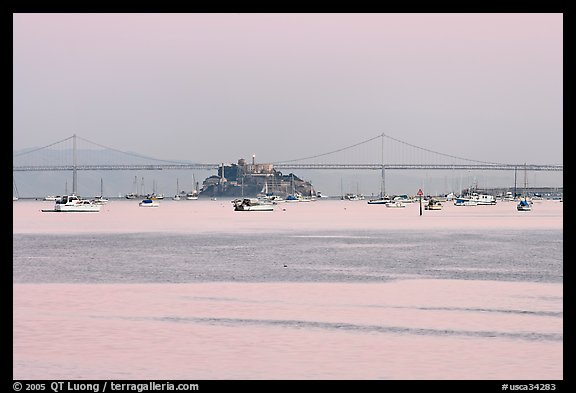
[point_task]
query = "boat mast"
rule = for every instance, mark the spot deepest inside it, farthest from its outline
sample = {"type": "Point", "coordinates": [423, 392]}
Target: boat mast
{"type": "Point", "coordinates": [514, 182]}
{"type": "Point", "coordinates": [525, 182]}
{"type": "Point", "coordinates": [15, 187]}
{"type": "Point", "coordinates": [194, 186]}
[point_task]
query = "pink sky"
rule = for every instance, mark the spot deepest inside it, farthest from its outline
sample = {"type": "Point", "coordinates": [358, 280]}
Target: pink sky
{"type": "Point", "coordinates": [333, 78]}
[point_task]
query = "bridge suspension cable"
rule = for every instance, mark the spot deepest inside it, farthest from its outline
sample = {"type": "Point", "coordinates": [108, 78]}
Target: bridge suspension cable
{"type": "Point", "coordinates": [43, 147]}
{"type": "Point", "coordinates": [130, 154]}
{"type": "Point", "coordinates": [391, 138]}
{"type": "Point", "coordinates": [330, 152]}
{"type": "Point", "coordinates": [442, 154]}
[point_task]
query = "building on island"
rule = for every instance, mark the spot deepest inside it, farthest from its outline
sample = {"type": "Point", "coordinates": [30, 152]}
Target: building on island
{"type": "Point", "coordinates": [250, 179]}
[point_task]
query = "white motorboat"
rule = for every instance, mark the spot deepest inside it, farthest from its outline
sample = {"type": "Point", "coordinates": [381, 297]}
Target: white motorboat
{"type": "Point", "coordinates": [353, 197]}
{"type": "Point", "coordinates": [463, 201]}
{"type": "Point", "coordinates": [483, 199]}
{"type": "Point", "coordinates": [100, 200]}
{"type": "Point", "coordinates": [403, 198]}
{"type": "Point", "coordinates": [274, 199]}
{"type": "Point", "coordinates": [509, 196]}
{"type": "Point", "coordinates": [192, 196]}
{"type": "Point", "coordinates": [251, 204]}
{"type": "Point", "coordinates": [396, 203]}
{"type": "Point", "coordinates": [379, 201]}
{"type": "Point", "coordinates": [297, 197]}
{"type": "Point", "coordinates": [73, 203]}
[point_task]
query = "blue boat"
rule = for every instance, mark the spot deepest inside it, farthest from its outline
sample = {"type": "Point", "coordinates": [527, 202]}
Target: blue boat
{"type": "Point", "coordinates": [523, 206]}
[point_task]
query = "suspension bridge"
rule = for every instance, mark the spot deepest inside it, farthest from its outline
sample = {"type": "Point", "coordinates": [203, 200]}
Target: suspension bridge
{"type": "Point", "coordinates": [67, 158]}
{"type": "Point", "coordinates": [379, 153]}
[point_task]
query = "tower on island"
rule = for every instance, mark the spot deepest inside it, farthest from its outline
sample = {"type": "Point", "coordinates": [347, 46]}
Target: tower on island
{"type": "Point", "coordinates": [252, 179]}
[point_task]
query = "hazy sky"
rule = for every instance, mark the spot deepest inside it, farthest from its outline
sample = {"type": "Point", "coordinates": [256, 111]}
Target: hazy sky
{"type": "Point", "coordinates": [214, 87]}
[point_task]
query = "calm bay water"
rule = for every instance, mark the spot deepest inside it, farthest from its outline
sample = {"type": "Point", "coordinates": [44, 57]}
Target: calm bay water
{"type": "Point", "coordinates": [321, 290]}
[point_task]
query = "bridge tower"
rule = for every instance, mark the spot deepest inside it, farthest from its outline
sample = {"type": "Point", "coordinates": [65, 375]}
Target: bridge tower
{"type": "Point", "coordinates": [74, 165]}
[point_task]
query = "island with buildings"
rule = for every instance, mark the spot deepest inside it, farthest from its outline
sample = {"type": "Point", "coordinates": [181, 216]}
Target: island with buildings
{"type": "Point", "coordinates": [250, 180]}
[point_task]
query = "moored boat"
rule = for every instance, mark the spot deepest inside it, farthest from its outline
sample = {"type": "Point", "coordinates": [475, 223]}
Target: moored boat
{"type": "Point", "coordinates": [292, 198]}
{"type": "Point", "coordinates": [523, 206]}
{"type": "Point", "coordinates": [433, 204]}
{"type": "Point", "coordinates": [100, 200]}
{"type": "Point", "coordinates": [464, 201]}
{"type": "Point", "coordinates": [379, 201]}
{"type": "Point", "coordinates": [251, 204]}
{"type": "Point", "coordinates": [353, 197]}
{"type": "Point", "coordinates": [73, 203]}
{"type": "Point", "coordinates": [483, 199]}
{"type": "Point", "coordinates": [192, 196]}
{"type": "Point", "coordinates": [274, 199]}
{"type": "Point", "coordinates": [403, 198]}
{"type": "Point", "coordinates": [148, 203]}
{"type": "Point", "coordinates": [297, 197]}
{"type": "Point", "coordinates": [508, 197]}
{"type": "Point", "coordinates": [176, 196]}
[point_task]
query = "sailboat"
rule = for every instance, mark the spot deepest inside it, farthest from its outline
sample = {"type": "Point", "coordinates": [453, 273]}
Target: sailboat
{"type": "Point", "coordinates": [524, 205]}
{"type": "Point", "coordinates": [15, 194]}
{"type": "Point", "coordinates": [100, 200]}
{"type": "Point", "coordinates": [154, 194]}
{"type": "Point", "coordinates": [383, 199]}
{"type": "Point", "coordinates": [193, 195]}
{"type": "Point", "coordinates": [177, 196]}
{"type": "Point", "coordinates": [134, 193]}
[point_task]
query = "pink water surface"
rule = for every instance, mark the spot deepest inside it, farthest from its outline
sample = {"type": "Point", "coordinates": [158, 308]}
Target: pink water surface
{"type": "Point", "coordinates": [286, 331]}
{"type": "Point", "coordinates": [405, 329]}
{"type": "Point", "coordinates": [218, 216]}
